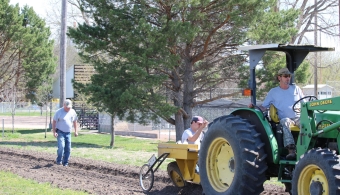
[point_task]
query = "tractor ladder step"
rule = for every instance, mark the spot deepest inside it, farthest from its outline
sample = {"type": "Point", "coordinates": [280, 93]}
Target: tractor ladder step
{"type": "Point", "coordinates": [285, 168]}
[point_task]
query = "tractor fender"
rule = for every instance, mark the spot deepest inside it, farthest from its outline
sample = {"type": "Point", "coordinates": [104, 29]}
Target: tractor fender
{"type": "Point", "coordinates": [262, 126]}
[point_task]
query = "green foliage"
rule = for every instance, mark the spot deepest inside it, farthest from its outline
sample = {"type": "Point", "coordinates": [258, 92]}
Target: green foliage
{"type": "Point", "coordinates": [302, 74]}
{"type": "Point", "coordinates": [27, 60]}
{"type": "Point", "coordinates": [37, 52]}
{"type": "Point", "coordinates": [148, 52]}
{"type": "Point", "coordinates": [125, 81]}
{"type": "Point", "coordinates": [266, 75]}
{"type": "Point", "coordinates": [273, 27]}
{"type": "Point", "coordinates": [10, 28]}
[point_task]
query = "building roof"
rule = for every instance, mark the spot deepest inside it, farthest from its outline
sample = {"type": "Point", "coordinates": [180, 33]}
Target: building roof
{"type": "Point", "coordinates": [319, 86]}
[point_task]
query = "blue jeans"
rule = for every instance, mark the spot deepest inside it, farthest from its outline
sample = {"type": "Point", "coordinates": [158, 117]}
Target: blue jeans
{"type": "Point", "coordinates": [287, 134]}
{"type": "Point", "coordinates": [64, 147]}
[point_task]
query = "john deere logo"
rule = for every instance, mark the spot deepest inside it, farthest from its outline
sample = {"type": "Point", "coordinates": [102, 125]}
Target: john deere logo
{"type": "Point", "coordinates": [319, 103]}
{"type": "Point", "coordinates": [323, 125]}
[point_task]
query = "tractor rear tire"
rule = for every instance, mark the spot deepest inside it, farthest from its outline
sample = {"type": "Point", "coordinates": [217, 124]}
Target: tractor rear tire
{"type": "Point", "coordinates": [317, 172]}
{"type": "Point", "coordinates": [232, 158]}
{"type": "Point", "coordinates": [176, 175]}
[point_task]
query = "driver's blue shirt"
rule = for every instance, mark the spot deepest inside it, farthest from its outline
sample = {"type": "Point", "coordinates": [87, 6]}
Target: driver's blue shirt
{"type": "Point", "coordinates": [283, 100]}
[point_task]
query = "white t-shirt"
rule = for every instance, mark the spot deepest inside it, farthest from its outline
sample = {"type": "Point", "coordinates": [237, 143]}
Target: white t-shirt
{"type": "Point", "coordinates": [65, 119]}
{"type": "Point", "coordinates": [283, 100]}
{"type": "Point", "coordinates": [189, 133]}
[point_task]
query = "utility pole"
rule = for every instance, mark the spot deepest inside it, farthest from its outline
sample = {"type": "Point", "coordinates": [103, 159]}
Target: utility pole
{"type": "Point", "coordinates": [315, 53]}
{"type": "Point", "coordinates": [63, 53]}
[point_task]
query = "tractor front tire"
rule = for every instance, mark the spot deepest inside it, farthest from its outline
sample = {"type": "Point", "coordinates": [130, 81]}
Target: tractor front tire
{"type": "Point", "coordinates": [232, 158]}
{"type": "Point", "coordinates": [317, 172]}
{"type": "Point", "coordinates": [175, 175]}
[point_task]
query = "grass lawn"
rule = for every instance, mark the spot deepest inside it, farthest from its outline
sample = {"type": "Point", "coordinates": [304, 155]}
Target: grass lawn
{"type": "Point", "coordinates": [9, 185]}
{"type": "Point", "coordinates": [28, 113]}
{"type": "Point", "coordinates": [127, 150]}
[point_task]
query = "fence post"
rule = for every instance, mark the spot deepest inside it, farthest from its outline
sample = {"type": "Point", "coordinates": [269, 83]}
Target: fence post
{"type": "Point", "coordinates": [3, 127]}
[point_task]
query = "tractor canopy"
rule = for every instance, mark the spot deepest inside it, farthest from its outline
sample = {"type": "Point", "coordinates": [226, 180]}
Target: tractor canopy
{"type": "Point", "coordinates": [295, 54]}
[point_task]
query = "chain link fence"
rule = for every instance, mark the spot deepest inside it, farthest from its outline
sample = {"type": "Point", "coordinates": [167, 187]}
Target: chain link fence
{"type": "Point", "coordinates": [26, 107]}
{"type": "Point", "coordinates": [232, 93]}
{"type": "Point", "coordinates": [209, 111]}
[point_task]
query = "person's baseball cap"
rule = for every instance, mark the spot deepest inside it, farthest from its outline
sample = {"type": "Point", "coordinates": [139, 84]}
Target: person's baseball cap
{"type": "Point", "coordinates": [197, 119]}
{"type": "Point", "coordinates": [68, 103]}
{"type": "Point", "coordinates": [283, 71]}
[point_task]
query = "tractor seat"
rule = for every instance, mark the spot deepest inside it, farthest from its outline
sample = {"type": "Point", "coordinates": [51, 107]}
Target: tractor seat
{"type": "Point", "coordinates": [275, 118]}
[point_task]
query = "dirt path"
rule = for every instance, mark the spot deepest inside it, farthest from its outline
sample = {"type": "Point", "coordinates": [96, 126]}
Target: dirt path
{"type": "Point", "coordinates": [25, 122]}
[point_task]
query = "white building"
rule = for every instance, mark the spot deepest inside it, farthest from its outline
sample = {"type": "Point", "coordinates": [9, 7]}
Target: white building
{"type": "Point", "coordinates": [80, 73]}
{"type": "Point", "coordinates": [324, 91]}
{"type": "Point", "coordinates": [68, 87]}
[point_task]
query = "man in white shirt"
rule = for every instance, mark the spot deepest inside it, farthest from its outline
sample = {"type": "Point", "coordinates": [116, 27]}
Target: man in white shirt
{"type": "Point", "coordinates": [64, 120]}
{"type": "Point", "coordinates": [194, 135]}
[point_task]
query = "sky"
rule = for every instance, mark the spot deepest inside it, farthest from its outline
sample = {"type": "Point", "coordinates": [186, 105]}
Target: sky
{"type": "Point", "coordinates": [39, 6]}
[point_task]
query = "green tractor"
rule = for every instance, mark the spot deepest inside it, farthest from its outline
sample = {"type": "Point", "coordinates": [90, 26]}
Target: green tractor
{"type": "Point", "coordinates": [242, 150]}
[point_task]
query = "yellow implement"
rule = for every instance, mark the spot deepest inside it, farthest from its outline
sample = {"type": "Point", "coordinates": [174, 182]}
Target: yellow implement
{"type": "Point", "coordinates": [180, 171]}
{"type": "Point", "coordinates": [186, 156]}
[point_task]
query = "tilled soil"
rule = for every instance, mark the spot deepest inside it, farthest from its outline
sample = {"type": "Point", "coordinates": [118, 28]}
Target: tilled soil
{"type": "Point", "coordinates": [94, 177]}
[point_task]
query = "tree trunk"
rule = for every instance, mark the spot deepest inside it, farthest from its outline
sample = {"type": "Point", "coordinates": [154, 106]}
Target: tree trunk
{"type": "Point", "coordinates": [46, 122]}
{"type": "Point", "coordinates": [12, 122]}
{"type": "Point", "coordinates": [179, 125]}
{"type": "Point", "coordinates": [112, 143]}
{"type": "Point", "coordinates": [178, 102]}
{"type": "Point", "coordinates": [13, 107]}
{"type": "Point", "coordinates": [188, 88]}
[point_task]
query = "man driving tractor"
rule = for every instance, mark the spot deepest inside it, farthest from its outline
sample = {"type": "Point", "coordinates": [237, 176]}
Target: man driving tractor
{"type": "Point", "coordinates": [283, 98]}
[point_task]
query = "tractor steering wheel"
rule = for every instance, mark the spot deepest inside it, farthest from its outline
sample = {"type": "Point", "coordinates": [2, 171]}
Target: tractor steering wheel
{"type": "Point", "coordinates": [310, 98]}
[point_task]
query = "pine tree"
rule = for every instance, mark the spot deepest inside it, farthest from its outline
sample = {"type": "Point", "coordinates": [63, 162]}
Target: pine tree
{"type": "Point", "coordinates": [154, 57]}
{"type": "Point", "coordinates": [26, 58]}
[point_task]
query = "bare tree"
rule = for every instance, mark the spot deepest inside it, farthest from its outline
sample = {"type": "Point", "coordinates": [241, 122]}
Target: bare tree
{"type": "Point", "coordinates": [44, 97]}
{"type": "Point", "coordinates": [12, 95]}
{"type": "Point", "coordinates": [316, 17]}
{"type": "Point", "coordinates": [75, 16]}
{"type": "Point", "coordinates": [326, 12]}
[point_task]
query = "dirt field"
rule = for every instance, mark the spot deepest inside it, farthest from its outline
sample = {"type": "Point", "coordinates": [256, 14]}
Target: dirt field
{"type": "Point", "coordinates": [94, 177]}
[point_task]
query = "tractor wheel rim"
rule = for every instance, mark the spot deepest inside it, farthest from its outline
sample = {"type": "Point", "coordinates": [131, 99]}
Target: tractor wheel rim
{"type": "Point", "coordinates": [220, 164]}
{"type": "Point", "coordinates": [313, 180]}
